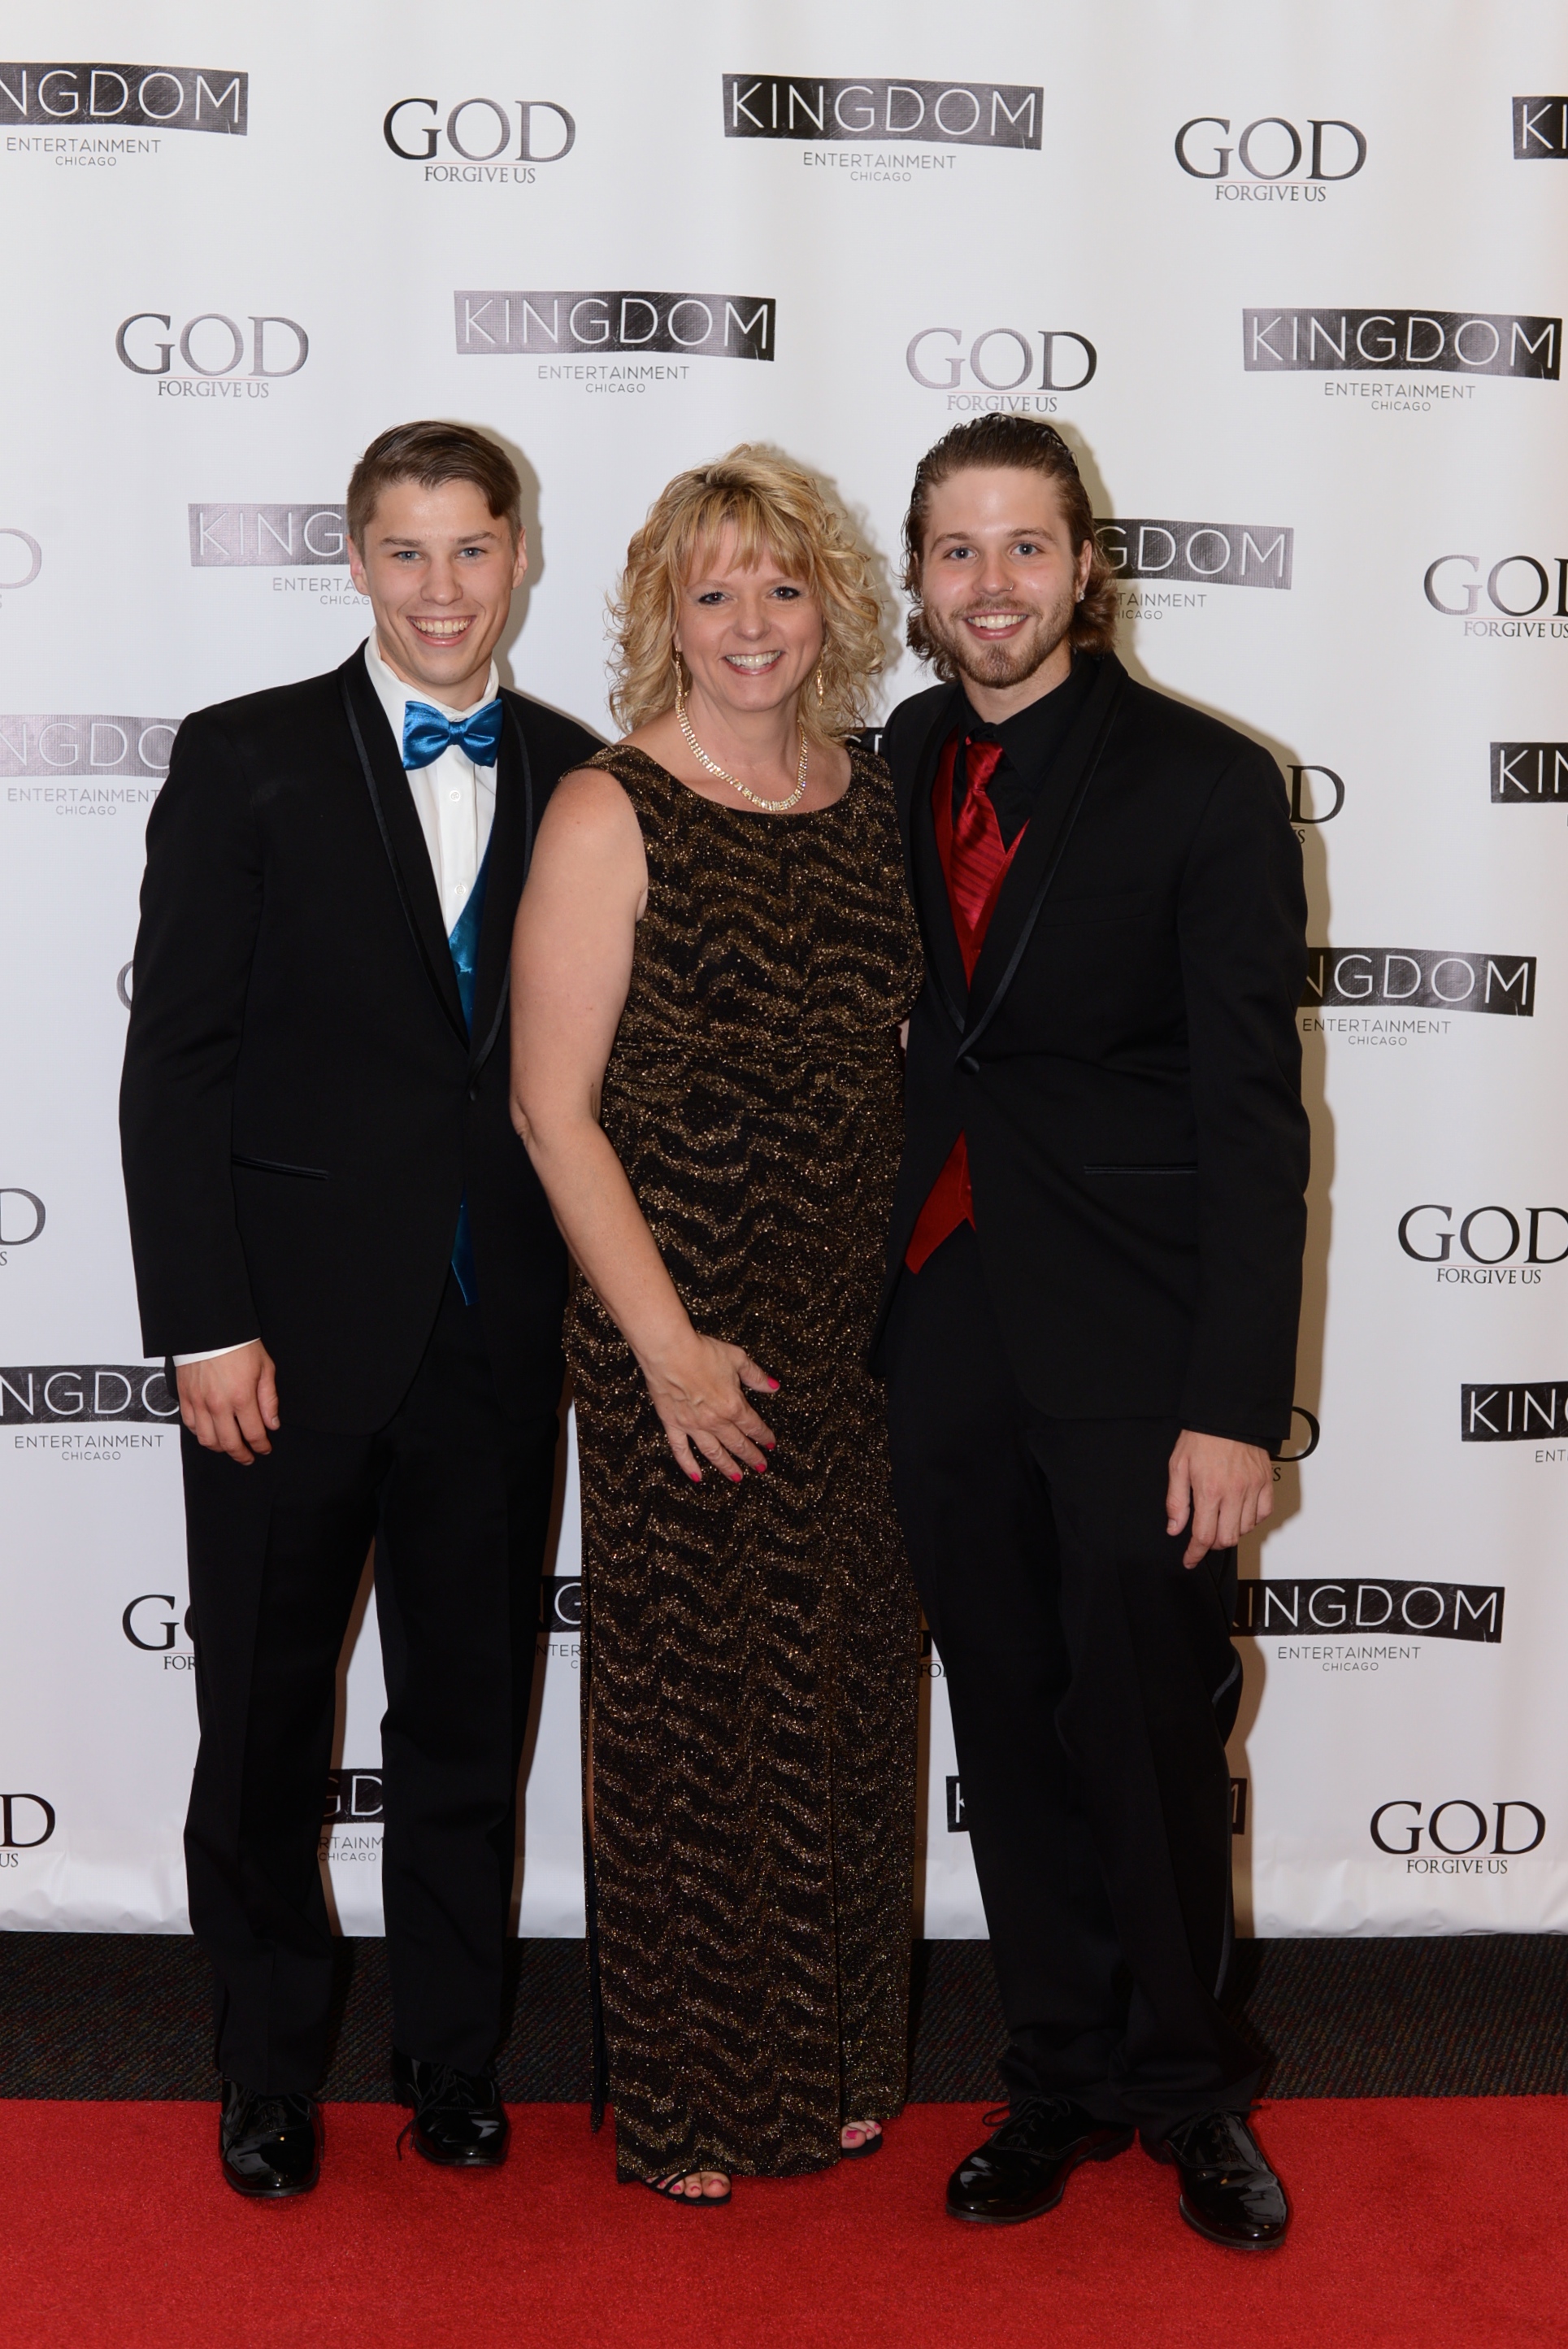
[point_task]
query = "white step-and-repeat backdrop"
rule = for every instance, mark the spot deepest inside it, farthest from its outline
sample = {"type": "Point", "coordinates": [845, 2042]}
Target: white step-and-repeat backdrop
{"type": "Point", "coordinates": [1292, 280]}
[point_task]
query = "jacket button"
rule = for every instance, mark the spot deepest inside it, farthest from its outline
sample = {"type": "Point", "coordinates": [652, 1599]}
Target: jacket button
{"type": "Point", "coordinates": [970, 1065]}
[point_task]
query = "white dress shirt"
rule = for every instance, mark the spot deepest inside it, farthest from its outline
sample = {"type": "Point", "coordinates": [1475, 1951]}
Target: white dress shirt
{"type": "Point", "coordinates": [456, 804]}
{"type": "Point", "coordinates": [456, 800]}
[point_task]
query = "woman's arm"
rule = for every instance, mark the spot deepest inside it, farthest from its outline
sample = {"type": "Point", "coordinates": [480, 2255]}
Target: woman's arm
{"type": "Point", "coordinates": [570, 969]}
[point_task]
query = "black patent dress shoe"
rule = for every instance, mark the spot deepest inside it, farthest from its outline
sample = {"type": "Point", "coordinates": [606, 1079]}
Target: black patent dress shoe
{"type": "Point", "coordinates": [1228, 2193]}
{"type": "Point", "coordinates": [458, 2118]}
{"type": "Point", "coordinates": [269, 2145]}
{"type": "Point", "coordinates": [1022, 2170]}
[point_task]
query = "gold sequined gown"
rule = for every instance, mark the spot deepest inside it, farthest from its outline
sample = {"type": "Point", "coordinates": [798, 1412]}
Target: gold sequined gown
{"type": "Point", "coordinates": [750, 1651]}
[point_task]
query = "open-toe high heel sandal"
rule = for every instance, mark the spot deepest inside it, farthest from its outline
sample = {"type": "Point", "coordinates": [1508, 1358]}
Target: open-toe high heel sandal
{"type": "Point", "coordinates": [670, 2189]}
{"type": "Point", "coordinates": [867, 2145]}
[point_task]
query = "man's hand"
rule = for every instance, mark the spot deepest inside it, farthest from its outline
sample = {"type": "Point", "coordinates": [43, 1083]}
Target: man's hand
{"type": "Point", "coordinates": [1224, 1487]}
{"type": "Point", "coordinates": [229, 1402]}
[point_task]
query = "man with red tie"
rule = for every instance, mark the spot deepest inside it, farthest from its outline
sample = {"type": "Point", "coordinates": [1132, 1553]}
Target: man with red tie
{"type": "Point", "coordinates": [1088, 1329]}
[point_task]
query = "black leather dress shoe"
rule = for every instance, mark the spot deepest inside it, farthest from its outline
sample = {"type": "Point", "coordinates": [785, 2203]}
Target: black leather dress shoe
{"type": "Point", "coordinates": [270, 2146]}
{"type": "Point", "coordinates": [1228, 2193]}
{"type": "Point", "coordinates": [1022, 2169]}
{"type": "Point", "coordinates": [458, 2118]}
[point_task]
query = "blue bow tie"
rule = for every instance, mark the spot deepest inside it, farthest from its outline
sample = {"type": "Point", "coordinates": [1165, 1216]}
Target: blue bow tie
{"type": "Point", "coordinates": [426, 734]}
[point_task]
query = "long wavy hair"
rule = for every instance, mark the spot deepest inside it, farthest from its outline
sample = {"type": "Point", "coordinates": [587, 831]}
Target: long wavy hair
{"type": "Point", "coordinates": [774, 508]}
{"type": "Point", "coordinates": [1035, 448]}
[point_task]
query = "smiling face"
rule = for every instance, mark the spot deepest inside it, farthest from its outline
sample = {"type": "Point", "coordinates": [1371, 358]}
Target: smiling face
{"type": "Point", "coordinates": [439, 568]}
{"type": "Point", "coordinates": [999, 580]}
{"type": "Point", "coordinates": [750, 635]}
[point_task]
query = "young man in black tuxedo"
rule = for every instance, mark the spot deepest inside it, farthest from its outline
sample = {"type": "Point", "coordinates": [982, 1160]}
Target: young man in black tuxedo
{"type": "Point", "coordinates": [1088, 1330]}
{"type": "Point", "coordinates": [340, 1241]}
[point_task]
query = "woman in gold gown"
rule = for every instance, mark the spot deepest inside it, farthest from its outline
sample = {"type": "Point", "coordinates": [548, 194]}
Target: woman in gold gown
{"type": "Point", "coordinates": [714, 954]}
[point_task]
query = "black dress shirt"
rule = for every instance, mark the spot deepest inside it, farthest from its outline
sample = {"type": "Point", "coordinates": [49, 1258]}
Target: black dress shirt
{"type": "Point", "coordinates": [1030, 740]}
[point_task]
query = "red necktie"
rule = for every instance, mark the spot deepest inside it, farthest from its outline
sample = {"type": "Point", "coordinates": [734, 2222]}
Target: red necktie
{"type": "Point", "coordinates": [977, 859]}
{"type": "Point", "coordinates": [975, 863]}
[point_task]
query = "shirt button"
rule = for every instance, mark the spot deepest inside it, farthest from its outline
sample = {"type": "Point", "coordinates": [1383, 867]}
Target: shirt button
{"type": "Point", "coordinates": [454, 797]}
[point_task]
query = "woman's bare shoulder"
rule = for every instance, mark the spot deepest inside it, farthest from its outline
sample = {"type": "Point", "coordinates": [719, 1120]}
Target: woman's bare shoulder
{"type": "Point", "coordinates": [587, 792]}
{"type": "Point", "coordinates": [589, 817]}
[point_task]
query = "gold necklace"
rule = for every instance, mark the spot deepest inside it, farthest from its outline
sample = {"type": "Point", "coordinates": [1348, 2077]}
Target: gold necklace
{"type": "Point", "coordinates": [773, 807]}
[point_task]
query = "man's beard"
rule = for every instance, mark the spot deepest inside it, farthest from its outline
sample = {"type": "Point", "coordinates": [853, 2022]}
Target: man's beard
{"type": "Point", "coordinates": [1002, 665]}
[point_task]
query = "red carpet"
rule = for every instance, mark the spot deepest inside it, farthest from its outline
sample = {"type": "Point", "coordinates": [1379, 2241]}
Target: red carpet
{"type": "Point", "coordinates": [1418, 2222]}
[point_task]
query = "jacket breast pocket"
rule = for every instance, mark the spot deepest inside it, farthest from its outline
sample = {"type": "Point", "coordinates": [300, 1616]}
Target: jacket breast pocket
{"type": "Point", "coordinates": [278, 1166]}
{"type": "Point", "coordinates": [1065, 911]}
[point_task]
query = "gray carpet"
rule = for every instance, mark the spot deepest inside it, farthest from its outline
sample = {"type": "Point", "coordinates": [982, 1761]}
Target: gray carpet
{"type": "Point", "coordinates": [126, 2015]}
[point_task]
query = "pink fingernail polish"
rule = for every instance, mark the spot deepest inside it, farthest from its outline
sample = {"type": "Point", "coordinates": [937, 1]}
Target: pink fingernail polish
{"type": "Point", "coordinates": [773, 1383]}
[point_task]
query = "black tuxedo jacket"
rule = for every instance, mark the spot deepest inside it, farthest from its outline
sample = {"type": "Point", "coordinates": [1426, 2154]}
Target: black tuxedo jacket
{"type": "Point", "coordinates": [1126, 1067]}
{"type": "Point", "coordinates": [303, 1106]}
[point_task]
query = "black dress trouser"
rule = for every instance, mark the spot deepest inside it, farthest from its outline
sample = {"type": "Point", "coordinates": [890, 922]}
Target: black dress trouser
{"type": "Point", "coordinates": [1092, 1683]}
{"type": "Point", "coordinates": [457, 1498]}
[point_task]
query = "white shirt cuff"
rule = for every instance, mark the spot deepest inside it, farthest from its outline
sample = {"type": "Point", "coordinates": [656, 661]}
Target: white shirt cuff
{"type": "Point", "coordinates": [211, 1353]}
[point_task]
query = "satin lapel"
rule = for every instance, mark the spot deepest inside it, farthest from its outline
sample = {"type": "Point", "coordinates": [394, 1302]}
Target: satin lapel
{"type": "Point", "coordinates": [927, 883]}
{"type": "Point", "coordinates": [1022, 894]}
{"type": "Point", "coordinates": [401, 835]}
{"type": "Point", "coordinates": [510, 845]}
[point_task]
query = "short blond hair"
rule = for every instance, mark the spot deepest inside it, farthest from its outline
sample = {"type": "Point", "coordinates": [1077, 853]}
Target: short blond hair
{"type": "Point", "coordinates": [774, 508]}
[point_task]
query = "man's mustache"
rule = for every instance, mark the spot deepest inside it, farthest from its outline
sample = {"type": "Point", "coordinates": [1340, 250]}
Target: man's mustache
{"type": "Point", "coordinates": [1001, 604]}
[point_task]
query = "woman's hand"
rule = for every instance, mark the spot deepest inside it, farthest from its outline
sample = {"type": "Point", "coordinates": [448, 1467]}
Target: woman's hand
{"type": "Point", "coordinates": [697, 1387]}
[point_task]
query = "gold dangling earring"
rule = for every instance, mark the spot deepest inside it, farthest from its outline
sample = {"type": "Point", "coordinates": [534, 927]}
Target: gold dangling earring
{"type": "Point", "coordinates": [819, 681]}
{"type": "Point", "coordinates": [680, 682]}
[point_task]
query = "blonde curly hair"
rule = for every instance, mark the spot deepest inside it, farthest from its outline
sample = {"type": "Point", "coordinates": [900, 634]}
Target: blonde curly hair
{"type": "Point", "coordinates": [774, 508]}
